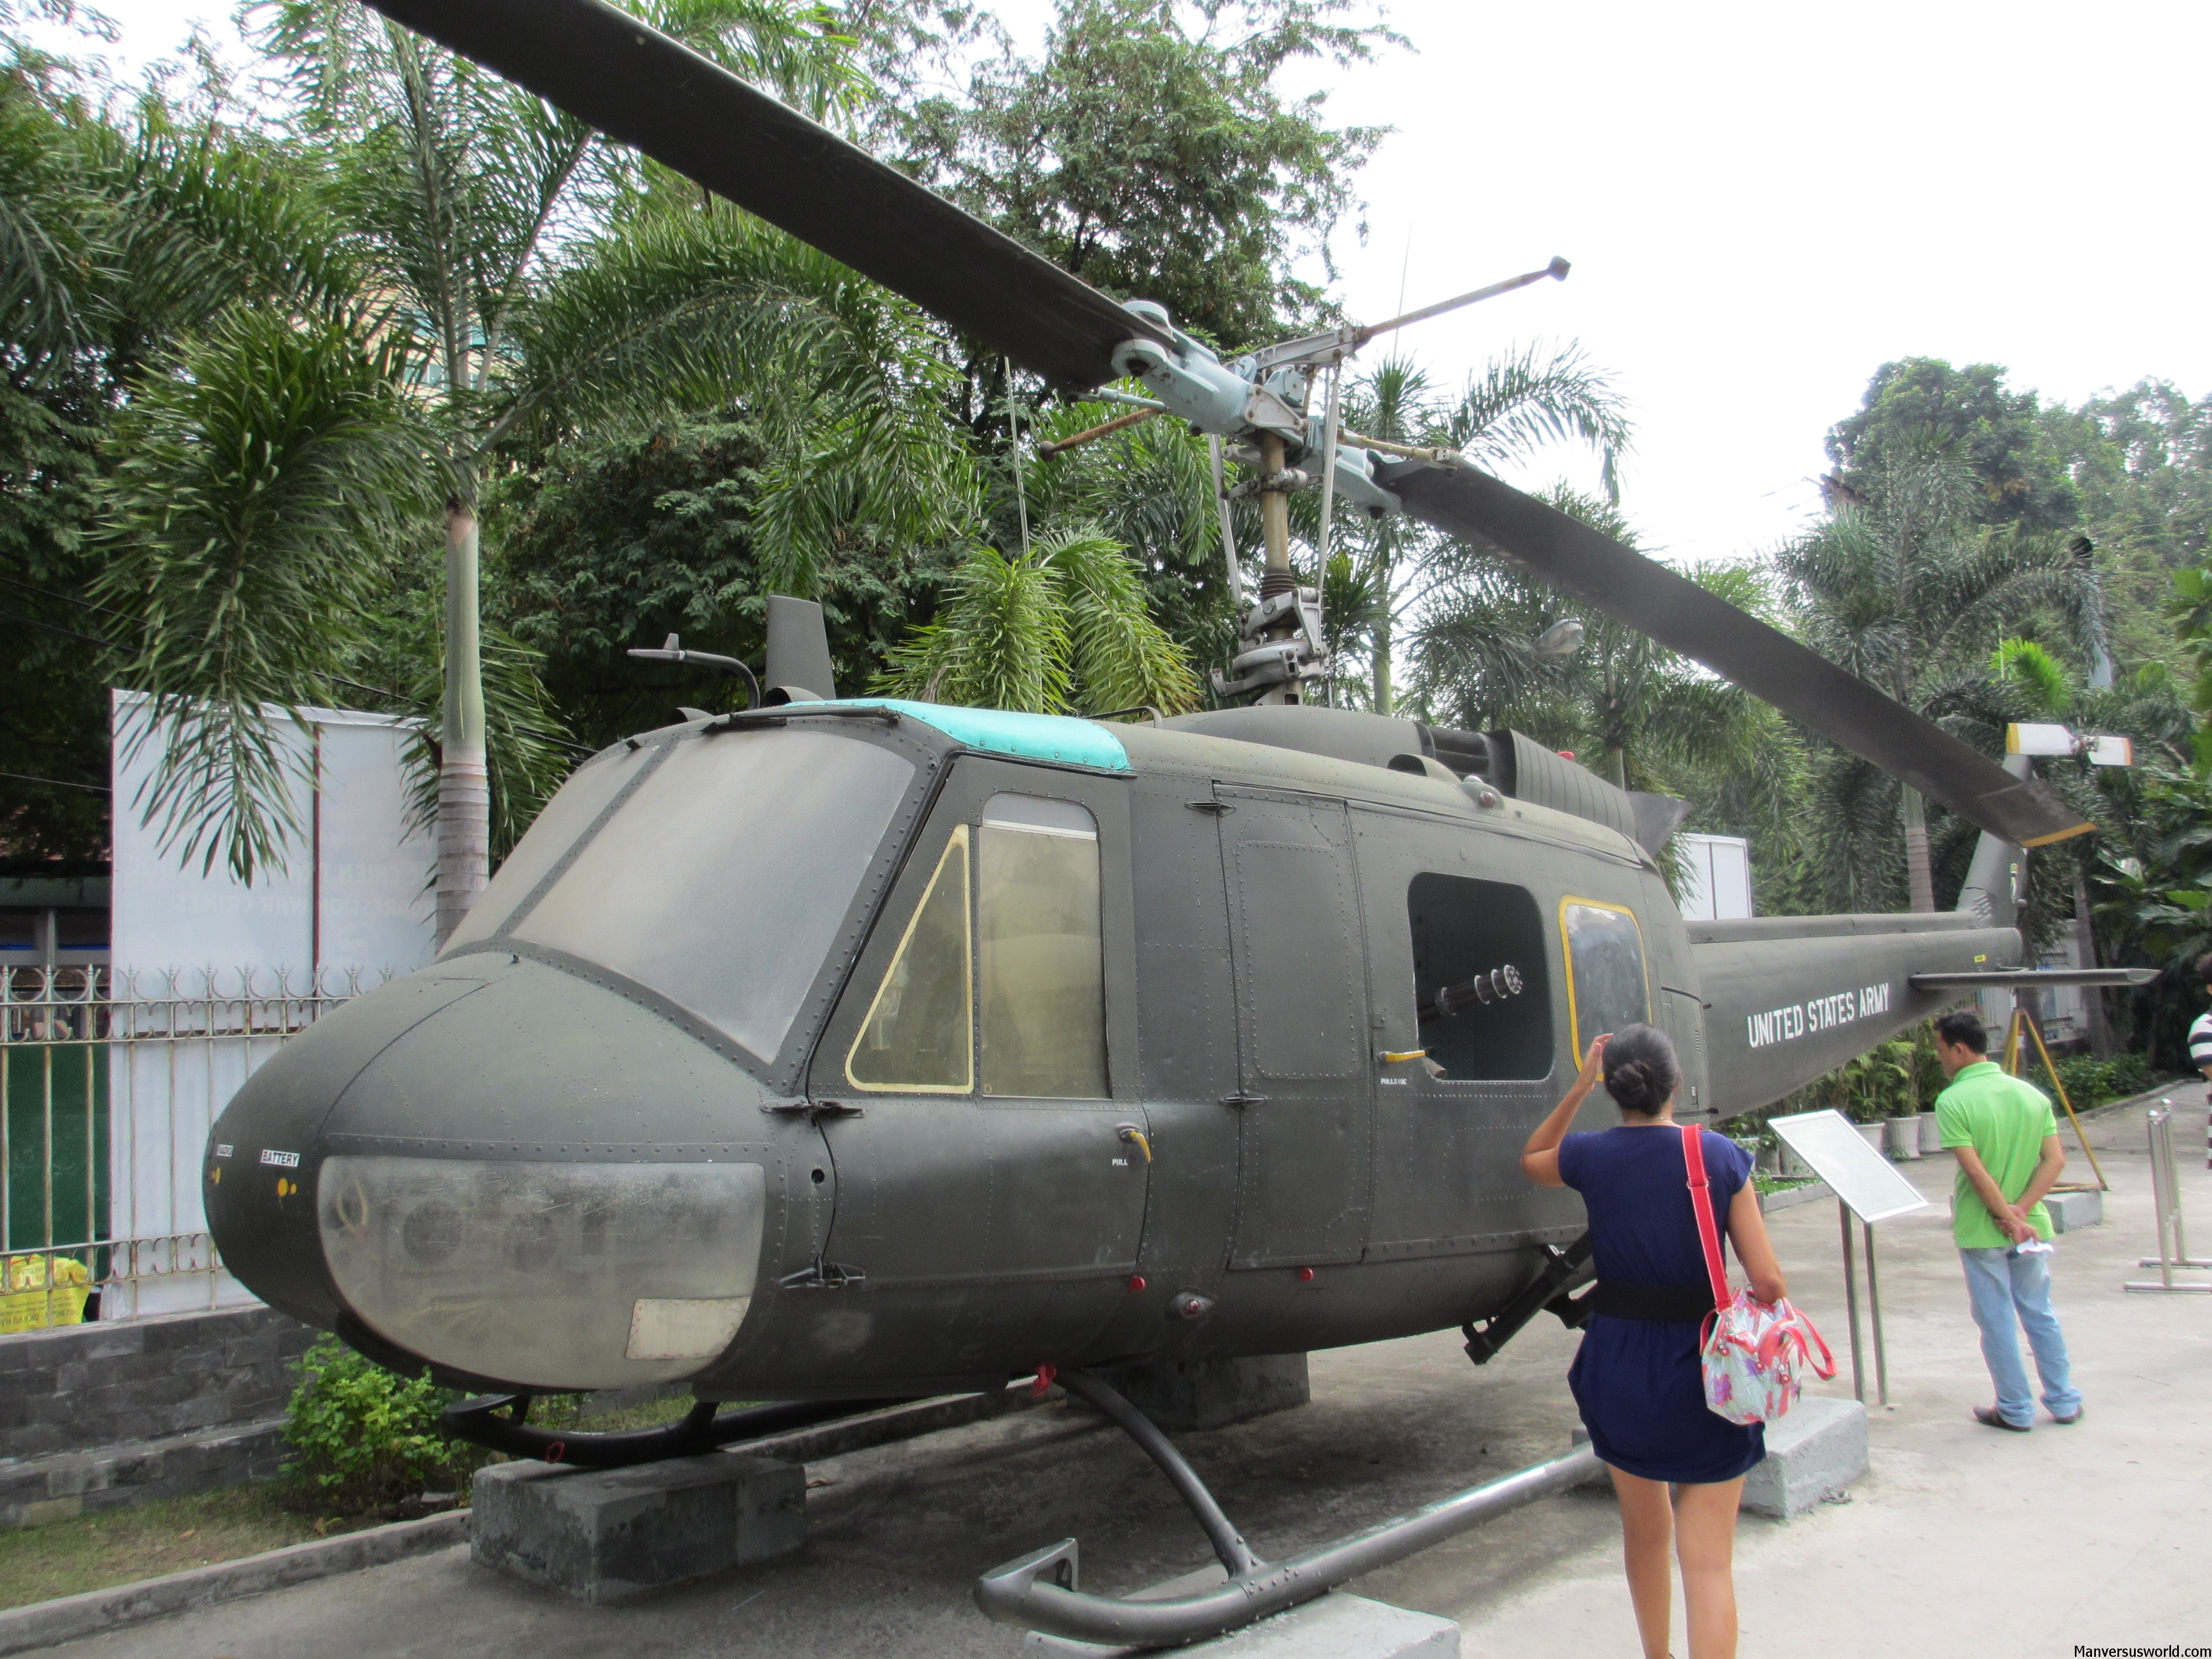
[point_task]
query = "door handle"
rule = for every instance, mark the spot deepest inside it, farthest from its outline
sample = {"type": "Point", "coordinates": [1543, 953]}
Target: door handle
{"type": "Point", "coordinates": [1130, 1134]}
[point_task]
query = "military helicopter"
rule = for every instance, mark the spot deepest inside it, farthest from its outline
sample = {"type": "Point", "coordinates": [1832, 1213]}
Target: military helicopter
{"type": "Point", "coordinates": [848, 1050]}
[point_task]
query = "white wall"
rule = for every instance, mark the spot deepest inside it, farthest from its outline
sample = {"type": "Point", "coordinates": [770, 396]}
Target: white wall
{"type": "Point", "coordinates": [220, 970]}
{"type": "Point", "coordinates": [1718, 887]}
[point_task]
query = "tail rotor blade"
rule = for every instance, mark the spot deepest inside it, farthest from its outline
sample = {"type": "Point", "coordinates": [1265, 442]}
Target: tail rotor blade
{"type": "Point", "coordinates": [635, 84]}
{"type": "Point", "coordinates": [1770, 665]}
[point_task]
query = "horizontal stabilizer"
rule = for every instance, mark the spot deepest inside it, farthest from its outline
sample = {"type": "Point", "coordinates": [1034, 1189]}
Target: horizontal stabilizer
{"type": "Point", "coordinates": [2053, 976]}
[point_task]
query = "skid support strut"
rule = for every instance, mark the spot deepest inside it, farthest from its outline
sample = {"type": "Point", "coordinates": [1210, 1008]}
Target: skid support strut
{"type": "Point", "coordinates": [1039, 1591]}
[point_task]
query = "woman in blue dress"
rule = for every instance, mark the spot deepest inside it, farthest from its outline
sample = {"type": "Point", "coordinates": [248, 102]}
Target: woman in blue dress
{"type": "Point", "coordinates": [1637, 1376]}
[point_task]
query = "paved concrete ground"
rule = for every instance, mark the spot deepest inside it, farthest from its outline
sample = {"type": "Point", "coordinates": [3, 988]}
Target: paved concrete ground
{"type": "Point", "coordinates": [1964, 1540]}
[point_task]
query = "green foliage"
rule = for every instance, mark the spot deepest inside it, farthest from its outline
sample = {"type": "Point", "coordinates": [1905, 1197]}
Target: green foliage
{"type": "Point", "coordinates": [1920, 410]}
{"type": "Point", "coordinates": [53, 708]}
{"type": "Point", "coordinates": [1901, 586]}
{"type": "Point", "coordinates": [367, 1438]}
{"type": "Point", "coordinates": [2152, 887]}
{"type": "Point", "coordinates": [1404, 572]}
{"type": "Point", "coordinates": [1896, 1079]}
{"type": "Point", "coordinates": [251, 524]}
{"type": "Point", "coordinates": [1150, 488]}
{"type": "Point", "coordinates": [1153, 153]}
{"type": "Point", "coordinates": [621, 541]}
{"type": "Point", "coordinates": [2141, 462]}
{"type": "Point", "coordinates": [1635, 713]}
{"type": "Point", "coordinates": [2092, 1082]}
{"type": "Point", "coordinates": [1059, 628]}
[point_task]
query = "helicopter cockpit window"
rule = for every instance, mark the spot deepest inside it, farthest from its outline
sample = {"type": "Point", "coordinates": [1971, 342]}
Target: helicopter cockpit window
{"type": "Point", "coordinates": [723, 880]}
{"type": "Point", "coordinates": [1480, 985]}
{"type": "Point", "coordinates": [564, 820]}
{"type": "Point", "coordinates": [1043, 963]}
{"type": "Point", "coordinates": [1606, 984]}
{"type": "Point", "coordinates": [916, 1037]}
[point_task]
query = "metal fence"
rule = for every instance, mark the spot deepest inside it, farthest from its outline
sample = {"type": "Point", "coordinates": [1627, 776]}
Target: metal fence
{"type": "Point", "coordinates": [108, 1086]}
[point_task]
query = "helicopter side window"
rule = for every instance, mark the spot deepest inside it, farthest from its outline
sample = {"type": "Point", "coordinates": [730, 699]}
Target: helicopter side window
{"type": "Point", "coordinates": [1480, 987]}
{"type": "Point", "coordinates": [1606, 984]}
{"type": "Point", "coordinates": [1042, 957]}
{"type": "Point", "coordinates": [916, 1039]}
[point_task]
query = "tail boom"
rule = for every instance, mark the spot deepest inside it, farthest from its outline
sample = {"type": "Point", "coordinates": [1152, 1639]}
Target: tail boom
{"type": "Point", "coordinates": [1788, 998]}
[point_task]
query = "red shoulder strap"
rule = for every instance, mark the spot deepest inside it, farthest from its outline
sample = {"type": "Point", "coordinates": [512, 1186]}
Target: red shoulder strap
{"type": "Point", "coordinates": [1701, 1201]}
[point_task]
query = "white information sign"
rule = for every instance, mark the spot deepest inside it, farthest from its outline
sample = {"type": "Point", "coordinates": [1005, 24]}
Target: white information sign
{"type": "Point", "coordinates": [1871, 1185]}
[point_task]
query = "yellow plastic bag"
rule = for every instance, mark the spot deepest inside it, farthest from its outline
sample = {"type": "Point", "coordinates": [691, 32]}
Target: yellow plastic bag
{"type": "Point", "coordinates": [28, 1304]}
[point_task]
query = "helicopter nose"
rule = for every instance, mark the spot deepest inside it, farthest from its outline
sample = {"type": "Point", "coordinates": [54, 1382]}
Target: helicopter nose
{"type": "Point", "coordinates": [505, 1169]}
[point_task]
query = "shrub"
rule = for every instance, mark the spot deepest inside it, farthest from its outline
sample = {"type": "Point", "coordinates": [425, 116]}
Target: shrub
{"type": "Point", "coordinates": [2091, 1082]}
{"type": "Point", "coordinates": [367, 1437]}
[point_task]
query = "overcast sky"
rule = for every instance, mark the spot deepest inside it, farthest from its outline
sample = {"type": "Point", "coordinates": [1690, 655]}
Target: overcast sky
{"type": "Point", "coordinates": [1763, 203]}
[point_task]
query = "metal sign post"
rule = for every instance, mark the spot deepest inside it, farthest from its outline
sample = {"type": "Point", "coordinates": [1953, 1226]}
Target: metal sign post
{"type": "Point", "coordinates": [1867, 1186]}
{"type": "Point", "coordinates": [2166, 1195]}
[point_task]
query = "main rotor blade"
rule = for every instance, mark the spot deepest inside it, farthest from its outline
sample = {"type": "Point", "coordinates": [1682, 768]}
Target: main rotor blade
{"type": "Point", "coordinates": [636, 85]}
{"type": "Point", "coordinates": [1770, 665]}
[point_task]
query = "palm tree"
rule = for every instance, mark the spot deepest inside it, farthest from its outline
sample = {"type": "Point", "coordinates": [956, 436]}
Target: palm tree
{"type": "Point", "coordinates": [1059, 627]}
{"type": "Point", "coordinates": [1638, 714]}
{"type": "Point", "coordinates": [2024, 681]}
{"type": "Point", "coordinates": [144, 265]}
{"type": "Point", "coordinates": [1149, 487]}
{"type": "Point", "coordinates": [1903, 589]}
{"type": "Point", "coordinates": [462, 184]}
{"type": "Point", "coordinates": [1520, 402]}
{"type": "Point", "coordinates": [260, 490]}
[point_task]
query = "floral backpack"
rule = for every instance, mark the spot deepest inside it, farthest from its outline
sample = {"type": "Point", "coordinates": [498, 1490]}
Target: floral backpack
{"type": "Point", "coordinates": [1754, 1354]}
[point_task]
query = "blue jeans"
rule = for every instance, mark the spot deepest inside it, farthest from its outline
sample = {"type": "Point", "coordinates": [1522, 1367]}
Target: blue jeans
{"type": "Point", "coordinates": [2005, 1287]}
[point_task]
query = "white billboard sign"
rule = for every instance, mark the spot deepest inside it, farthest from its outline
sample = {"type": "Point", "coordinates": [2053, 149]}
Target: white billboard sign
{"type": "Point", "coordinates": [220, 969]}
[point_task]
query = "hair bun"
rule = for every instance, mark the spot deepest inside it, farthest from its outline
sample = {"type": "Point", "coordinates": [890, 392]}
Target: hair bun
{"type": "Point", "coordinates": [1641, 1072]}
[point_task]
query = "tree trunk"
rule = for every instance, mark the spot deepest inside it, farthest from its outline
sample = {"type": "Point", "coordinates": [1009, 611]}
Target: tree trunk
{"type": "Point", "coordinates": [1918, 869]}
{"type": "Point", "coordinates": [1616, 765]}
{"type": "Point", "coordinates": [1382, 666]}
{"type": "Point", "coordinates": [464, 785]}
{"type": "Point", "coordinates": [2085, 945]}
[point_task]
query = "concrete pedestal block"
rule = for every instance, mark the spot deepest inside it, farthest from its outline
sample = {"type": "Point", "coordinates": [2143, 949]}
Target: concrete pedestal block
{"type": "Point", "coordinates": [2075, 1209]}
{"type": "Point", "coordinates": [1817, 1449]}
{"type": "Point", "coordinates": [1211, 1394]}
{"type": "Point", "coordinates": [1901, 1137]}
{"type": "Point", "coordinates": [603, 1535]}
{"type": "Point", "coordinates": [1336, 1626]}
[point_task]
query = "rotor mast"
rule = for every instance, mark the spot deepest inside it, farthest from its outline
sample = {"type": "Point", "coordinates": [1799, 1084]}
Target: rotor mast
{"type": "Point", "coordinates": [1261, 407]}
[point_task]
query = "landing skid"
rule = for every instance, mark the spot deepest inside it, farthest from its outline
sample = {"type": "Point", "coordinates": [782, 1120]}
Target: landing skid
{"type": "Point", "coordinates": [1039, 1592]}
{"type": "Point", "coordinates": [480, 1422]}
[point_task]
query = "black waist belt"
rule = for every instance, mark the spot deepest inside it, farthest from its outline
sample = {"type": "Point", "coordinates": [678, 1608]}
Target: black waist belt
{"type": "Point", "coordinates": [1666, 1304]}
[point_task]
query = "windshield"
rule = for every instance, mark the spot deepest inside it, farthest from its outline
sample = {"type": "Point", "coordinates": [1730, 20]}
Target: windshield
{"type": "Point", "coordinates": [556, 830]}
{"type": "Point", "coordinates": [722, 881]}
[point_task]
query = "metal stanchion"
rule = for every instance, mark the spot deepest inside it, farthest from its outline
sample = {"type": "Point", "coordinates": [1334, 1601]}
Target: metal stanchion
{"type": "Point", "coordinates": [2166, 1197]}
{"type": "Point", "coordinates": [1874, 1319]}
{"type": "Point", "coordinates": [1851, 1302]}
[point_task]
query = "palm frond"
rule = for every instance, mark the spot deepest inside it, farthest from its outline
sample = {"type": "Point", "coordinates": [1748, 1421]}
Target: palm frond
{"type": "Point", "coordinates": [261, 491]}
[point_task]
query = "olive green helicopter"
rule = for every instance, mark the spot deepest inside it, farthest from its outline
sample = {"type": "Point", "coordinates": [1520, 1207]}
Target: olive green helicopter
{"type": "Point", "coordinates": [844, 1050]}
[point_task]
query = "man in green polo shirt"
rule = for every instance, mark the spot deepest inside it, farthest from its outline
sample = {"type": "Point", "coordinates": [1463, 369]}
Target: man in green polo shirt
{"type": "Point", "coordinates": [2001, 1131]}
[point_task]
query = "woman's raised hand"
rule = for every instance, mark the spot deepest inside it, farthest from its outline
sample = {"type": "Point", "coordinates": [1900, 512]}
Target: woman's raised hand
{"type": "Point", "coordinates": [1594, 1063]}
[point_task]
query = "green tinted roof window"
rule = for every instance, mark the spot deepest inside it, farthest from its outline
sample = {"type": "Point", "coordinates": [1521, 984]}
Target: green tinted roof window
{"type": "Point", "coordinates": [1059, 737]}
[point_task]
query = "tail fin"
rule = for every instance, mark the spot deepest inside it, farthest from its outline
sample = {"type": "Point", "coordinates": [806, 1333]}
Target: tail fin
{"type": "Point", "coordinates": [1993, 878]}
